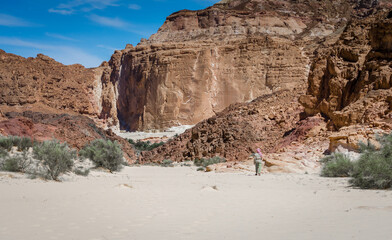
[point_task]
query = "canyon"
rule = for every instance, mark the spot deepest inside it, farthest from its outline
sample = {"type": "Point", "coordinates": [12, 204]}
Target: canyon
{"type": "Point", "coordinates": [289, 76]}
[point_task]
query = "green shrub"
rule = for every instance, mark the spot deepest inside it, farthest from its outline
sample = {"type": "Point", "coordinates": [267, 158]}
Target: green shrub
{"type": "Point", "coordinates": [199, 169]}
{"type": "Point", "coordinates": [337, 165]}
{"type": "Point", "coordinates": [23, 143]}
{"type": "Point", "coordinates": [144, 146]}
{"type": "Point", "coordinates": [56, 157]}
{"type": "Point", "coordinates": [6, 143]}
{"type": "Point", "coordinates": [83, 173]}
{"type": "Point", "coordinates": [204, 162]}
{"type": "Point", "coordinates": [10, 164]}
{"type": "Point", "coordinates": [17, 163]}
{"type": "Point", "coordinates": [3, 153]}
{"type": "Point", "coordinates": [104, 153]}
{"type": "Point", "coordinates": [167, 163]}
{"type": "Point", "coordinates": [374, 167]}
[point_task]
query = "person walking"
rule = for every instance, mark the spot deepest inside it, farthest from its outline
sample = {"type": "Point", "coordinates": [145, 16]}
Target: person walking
{"type": "Point", "coordinates": [258, 160]}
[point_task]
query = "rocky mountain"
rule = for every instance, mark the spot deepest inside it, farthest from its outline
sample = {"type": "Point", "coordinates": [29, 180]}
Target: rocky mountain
{"type": "Point", "coordinates": [237, 67]}
{"type": "Point", "coordinates": [197, 64]}
{"type": "Point", "coordinates": [237, 131]}
{"type": "Point", "coordinates": [200, 62]}
{"type": "Point", "coordinates": [43, 99]}
{"type": "Point", "coordinates": [348, 100]}
{"type": "Point", "coordinates": [43, 85]}
{"type": "Point", "coordinates": [351, 83]}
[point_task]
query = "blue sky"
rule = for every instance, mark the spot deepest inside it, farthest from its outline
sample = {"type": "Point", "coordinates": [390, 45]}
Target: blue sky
{"type": "Point", "coordinates": [83, 31]}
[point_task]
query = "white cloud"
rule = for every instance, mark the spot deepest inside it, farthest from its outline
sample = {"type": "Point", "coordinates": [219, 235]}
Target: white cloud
{"type": "Point", "coordinates": [11, 21]}
{"type": "Point", "coordinates": [110, 22]}
{"type": "Point", "coordinates": [59, 36]}
{"type": "Point", "coordinates": [83, 5]}
{"type": "Point", "coordinates": [144, 31]}
{"type": "Point", "coordinates": [64, 54]}
{"type": "Point", "coordinates": [61, 11]}
{"type": "Point", "coordinates": [106, 47]}
{"type": "Point", "coordinates": [134, 6]}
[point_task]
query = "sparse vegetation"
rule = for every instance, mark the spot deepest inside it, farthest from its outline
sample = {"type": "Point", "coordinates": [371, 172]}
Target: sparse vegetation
{"type": "Point", "coordinates": [3, 153]}
{"type": "Point", "coordinates": [144, 146]}
{"type": "Point", "coordinates": [199, 169]}
{"type": "Point", "coordinates": [11, 164]}
{"type": "Point", "coordinates": [167, 163]}
{"type": "Point", "coordinates": [6, 143]}
{"type": "Point", "coordinates": [56, 157]}
{"type": "Point", "coordinates": [337, 165]}
{"type": "Point", "coordinates": [204, 162]}
{"type": "Point", "coordinates": [104, 153]}
{"type": "Point", "coordinates": [22, 143]}
{"type": "Point", "coordinates": [374, 167]}
{"type": "Point", "coordinates": [81, 172]}
{"type": "Point", "coordinates": [373, 170]}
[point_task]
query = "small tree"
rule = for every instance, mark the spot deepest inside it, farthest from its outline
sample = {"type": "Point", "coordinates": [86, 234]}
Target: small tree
{"type": "Point", "coordinates": [104, 153]}
{"type": "Point", "coordinates": [56, 157]}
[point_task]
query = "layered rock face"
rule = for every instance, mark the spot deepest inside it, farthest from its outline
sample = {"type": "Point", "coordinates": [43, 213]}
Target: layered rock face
{"type": "Point", "coordinates": [200, 62]}
{"type": "Point", "coordinates": [272, 122]}
{"type": "Point", "coordinates": [352, 82]}
{"type": "Point", "coordinates": [41, 84]}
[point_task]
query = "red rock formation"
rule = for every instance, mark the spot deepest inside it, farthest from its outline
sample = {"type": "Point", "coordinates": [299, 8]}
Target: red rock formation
{"type": "Point", "coordinates": [77, 130]}
{"type": "Point", "coordinates": [44, 85]}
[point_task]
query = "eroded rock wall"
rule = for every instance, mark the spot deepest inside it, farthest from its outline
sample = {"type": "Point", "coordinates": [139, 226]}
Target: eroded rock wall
{"type": "Point", "coordinates": [199, 62]}
{"type": "Point", "coordinates": [237, 131]}
{"type": "Point", "coordinates": [166, 85]}
{"type": "Point", "coordinates": [43, 85]}
{"type": "Point", "coordinates": [352, 82]}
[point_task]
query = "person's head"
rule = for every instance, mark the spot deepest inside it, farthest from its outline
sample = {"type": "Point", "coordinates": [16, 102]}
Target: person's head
{"type": "Point", "coordinates": [259, 151]}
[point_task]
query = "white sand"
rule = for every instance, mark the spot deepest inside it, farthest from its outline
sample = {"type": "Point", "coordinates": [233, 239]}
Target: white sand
{"type": "Point", "coordinates": [181, 203]}
{"type": "Point", "coordinates": [170, 132]}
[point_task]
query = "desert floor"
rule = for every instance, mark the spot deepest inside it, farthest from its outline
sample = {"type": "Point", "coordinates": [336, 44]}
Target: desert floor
{"type": "Point", "coordinates": [181, 203]}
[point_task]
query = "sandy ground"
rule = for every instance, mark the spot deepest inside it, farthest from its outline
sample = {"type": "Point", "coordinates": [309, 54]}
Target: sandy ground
{"type": "Point", "coordinates": [168, 133]}
{"type": "Point", "coordinates": [181, 203]}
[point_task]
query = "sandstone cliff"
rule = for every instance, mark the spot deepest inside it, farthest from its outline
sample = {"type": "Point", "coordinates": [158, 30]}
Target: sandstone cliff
{"type": "Point", "coordinates": [352, 82]}
{"type": "Point", "coordinates": [350, 77]}
{"type": "Point", "coordinates": [43, 85]}
{"type": "Point", "coordinates": [199, 62]}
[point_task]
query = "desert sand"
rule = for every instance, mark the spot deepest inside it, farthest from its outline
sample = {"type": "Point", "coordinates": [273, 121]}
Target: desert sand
{"type": "Point", "coordinates": [181, 203]}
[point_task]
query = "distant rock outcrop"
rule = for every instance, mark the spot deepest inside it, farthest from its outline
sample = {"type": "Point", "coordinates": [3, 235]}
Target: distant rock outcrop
{"type": "Point", "coordinates": [41, 84]}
